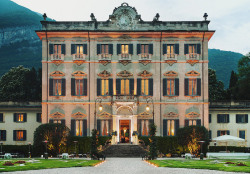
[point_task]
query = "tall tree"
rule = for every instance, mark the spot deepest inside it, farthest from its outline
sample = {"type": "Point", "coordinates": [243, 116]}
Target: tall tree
{"type": "Point", "coordinates": [233, 86]}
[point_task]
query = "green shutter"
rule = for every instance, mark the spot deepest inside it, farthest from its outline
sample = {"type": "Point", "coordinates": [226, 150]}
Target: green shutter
{"type": "Point", "coordinates": [24, 117]}
{"type": "Point", "coordinates": [138, 127]}
{"type": "Point", "coordinates": [164, 48]}
{"type": "Point", "coordinates": [164, 87]}
{"type": "Point", "coordinates": [111, 49]}
{"type": "Point", "coordinates": [118, 86]}
{"type": "Point", "coordinates": [118, 49]}
{"type": "Point", "coordinates": [98, 87]}
{"type": "Point", "coordinates": [138, 49]}
{"type": "Point", "coordinates": [84, 127]}
{"type": "Point", "coordinates": [85, 49]}
{"type": "Point", "coordinates": [176, 126]}
{"type": "Point", "coordinates": [98, 50]}
{"type": "Point", "coordinates": [131, 86]}
{"type": "Point", "coordinates": [186, 87]}
{"type": "Point", "coordinates": [246, 118]}
{"type": "Point", "coordinates": [151, 49]}
{"type": "Point", "coordinates": [99, 127]}
{"type": "Point", "coordinates": [198, 48]}
{"type": "Point", "coordinates": [73, 127]}
{"type": "Point", "coordinates": [165, 127]}
{"type": "Point", "coordinates": [73, 49]}
{"type": "Point", "coordinates": [218, 133]}
{"type": "Point", "coordinates": [14, 135]}
{"type": "Point", "coordinates": [63, 49]}
{"type": "Point", "coordinates": [73, 87]}
{"type": "Point", "coordinates": [24, 135]}
{"type": "Point", "coordinates": [85, 87]}
{"type": "Point", "coordinates": [63, 87]}
{"type": "Point", "coordinates": [186, 51]}
{"type": "Point", "coordinates": [176, 48]}
{"type": "Point", "coordinates": [50, 87]}
{"type": "Point", "coordinates": [138, 86]}
{"type": "Point", "coordinates": [110, 87]}
{"type": "Point", "coordinates": [14, 117]}
{"type": "Point", "coordinates": [130, 48]}
{"type": "Point", "coordinates": [198, 86]}
{"type": "Point", "coordinates": [186, 122]}
{"type": "Point", "coordinates": [176, 87]}
{"type": "Point", "coordinates": [51, 48]}
{"type": "Point", "coordinates": [151, 87]}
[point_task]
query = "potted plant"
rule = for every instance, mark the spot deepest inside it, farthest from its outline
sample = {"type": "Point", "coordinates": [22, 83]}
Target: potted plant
{"type": "Point", "coordinates": [135, 133]}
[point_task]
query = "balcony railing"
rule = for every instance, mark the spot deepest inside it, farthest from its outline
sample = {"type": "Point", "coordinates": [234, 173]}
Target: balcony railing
{"type": "Point", "coordinates": [145, 56]}
{"type": "Point", "coordinates": [124, 98]}
{"type": "Point", "coordinates": [170, 56]}
{"type": "Point", "coordinates": [79, 56]}
{"type": "Point", "coordinates": [192, 56]}
{"type": "Point", "coordinates": [57, 56]}
{"type": "Point", "coordinates": [125, 57]}
{"type": "Point", "coordinates": [105, 56]}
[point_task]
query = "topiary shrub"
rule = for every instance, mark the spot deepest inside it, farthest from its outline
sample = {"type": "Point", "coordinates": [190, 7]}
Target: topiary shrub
{"type": "Point", "coordinates": [8, 163]}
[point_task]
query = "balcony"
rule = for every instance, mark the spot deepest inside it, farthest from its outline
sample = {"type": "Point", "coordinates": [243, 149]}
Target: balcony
{"type": "Point", "coordinates": [192, 56]}
{"type": "Point", "coordinates": [105, 56]}
{"type": "Point", "coordinates": [145, 56]}
{"type": "Point", "coordinates": [124, 98]}
{"type": "Point", "coordinates": [124, 56]}
{"type": "Point", "coordinates": [170, 56]}
{"type": "Point", "coordinates": [79, 56]}
{"type": "Point", "coordinates": [57, 57]}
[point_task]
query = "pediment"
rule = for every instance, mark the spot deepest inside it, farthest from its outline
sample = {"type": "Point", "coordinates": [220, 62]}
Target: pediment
{"type": "Point", "coordinates": [79, 74]}
{"type": "Point", "coordinates": [57, 74]}
{"type": "Point", "coordinates": [57, 115]}
{"type": "Point", "coordinates": [145, 73]}
{"type": "Point", "coordinates": [124, 73]}
{"type": "Point", "coordinates": [192, 114]}
{"type": "Point", "coordinates": [144, 115]}
{"type": "Point", "coordinates": [192, 73]}
{"type": "Point", "coordinates": [105, 115]}
{"type": "Point", "coordinates": [171, 74]}
{"type": "Point", "coordinates": [104, 74]}
{"type": "Point", "coordinates": [171, 114]}
{"type": "Point", "coordinates": [79, 115]}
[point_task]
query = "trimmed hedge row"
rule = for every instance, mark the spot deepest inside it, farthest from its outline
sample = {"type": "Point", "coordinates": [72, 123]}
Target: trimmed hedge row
{"type": "Point", "coordinates": [229, 148]}
{"type": "Point", "coordinates": [21, 150]}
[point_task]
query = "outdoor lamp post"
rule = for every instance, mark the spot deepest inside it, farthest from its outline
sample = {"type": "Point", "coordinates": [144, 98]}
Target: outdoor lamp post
{"type": "Point", "coordinates": [46, 154]}
{"type": "Point", "coordinates": [29, 143]}
{"type": "Point", "coordinates": [75, 146]}
{"type": "Point", "coordinates": [1, 143]}
{"type": "Point", "coordinates": [201, 154]}
{"type": "Point", "coordinates": [148, 108]}
{"type": "Point", "coordinates": [100, 109]}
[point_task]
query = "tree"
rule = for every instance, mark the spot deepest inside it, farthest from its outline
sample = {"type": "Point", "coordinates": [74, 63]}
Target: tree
{"type": "Point", "coordinates": [56, 135]}
{"type": "Point", "coordinates": [94, 144]}
{"type": "Point", "coordinates": [244, 77]}
{"type": "Point", "coordinates": [190, 136]}
{"type": "Point", "coordinates": [216, 88]}
{"type": "Point", "coordinates": [233, 86]}
{"type": "Point", "coordinates": [153, 142]}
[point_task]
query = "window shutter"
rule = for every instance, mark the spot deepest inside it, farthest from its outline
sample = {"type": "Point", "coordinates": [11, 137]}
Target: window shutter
{"type": "Point", "coordinates": [24, 135]}
{"type": "Point", "coordinates": [151, 87]}
{"type": "Point", "coordinates": [139, 127]}
{"type": "Point", "coordinates": [98, 87]}
{"type": "Point", "coordinates": [198, 86]}
{"type": "Point", "coordinates": [111, 49]}
{"type": "Point", "coordinates": [209, 118]}
{"type": "Point", "coordinates": [118, 86]}
{"type": "Point", "coordinates": [246, 118]}
{"type": "Point", "coordinates": [51, 121]}
{"type": "Point", "coordinates": [38, 117]}
{"type": "Point", "coordinates": [73, 92]}
{"type": "Point", "coordinates": [218, 133]}
{"type": "Point", "coordinates": [198, 48]}
{"type": "Point", "coordinates": [85, 87]}
{"type": "Point", "coordinates": [186, 87]}
{"type": "Point", "coordinates": [237, 118]}
{"type": "Point", "coordinates": [228, 121]}
{"type": "Point", "coordinates": [186, 49]}
{"type": "Point", "coordinates": [73, 127]}
{"type": "Point", "coordinates": [98, 49]}
{"type": "Point", "coordinates": [84, 125]}
{"type": "Point", "coordinates": [138, 49]}
{"type": "Point", "coordinates": [14, 117]}
{"type": "Point", "coordinates": [110, 126]}
{"type": "Point", "coordinates": [85, 49]}
{"type": "Point", "coordinates": [14, 135]}
{"type": "Point", "coordinates": [1, 117]}
{"type": "Point", "coordinates": [51, 48]}
{"type": "Point", "coordinates": [176, 126]}
{"type": "Point", "coordinates": [218, 118]}
{"type": "Point", "coordinates": [151, 49]}
{"type": "Point", "coordinates": [165, 128]}
{"type": "Point", "coordinates": [164, 87]}
{"type": "Point", "coordinates": [186, 123]}
{"type": "Point", "coordinates": [118, 49]}
{"type": "Point", "coordinates": [176, 87]}
{"type": "Point", "coordinates": [4, 135]}
{"type": "Point", "coordinates": [25, 117]}
{"type": "Point", "coordinates": [73, 49]}
{"type": "Point", "coordinates": [131, 86]}
{"type": "Point", "coordinates": [210, 134]}
{"type": "Point", "coordinates": [130, 48]}
{"type": "Point", "coordinates": [63, 122]}
{"type": "Point", "coordinates": [164, 48]}
{"type": "Point", "coordinates": [138, 86]}
{"type": "Point", "coordinates": [50, 87]}
{"type": "Point", "coordinates": [63, 48]}
{"type": "Point", "coordinates": [110, 87]}
{"type": "Point", "coordinates": [99, 127]}
{"type": "Point", "coordinates": [198, 122]}
{"type": "Point", "coordinates": [150, 121]}
{"type": "Point", "coordinates": [63, 87]}
{"type": "Point", "coordinates": [176, 48]}
{"type": "Point", "coordinates": [228, 132]}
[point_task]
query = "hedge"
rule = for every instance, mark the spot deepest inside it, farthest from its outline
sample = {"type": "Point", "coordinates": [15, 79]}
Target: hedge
{"type": "Point", "coordinates": [21, 150]}
{"type": "Point", "coordinates": [229, 148]}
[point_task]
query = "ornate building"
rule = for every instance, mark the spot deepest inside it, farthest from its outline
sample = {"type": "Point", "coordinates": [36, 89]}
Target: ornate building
{"type": "Point", "coordinates": [123, 73]}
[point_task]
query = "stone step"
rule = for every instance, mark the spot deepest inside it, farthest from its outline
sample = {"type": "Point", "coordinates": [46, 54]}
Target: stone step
{"type": "Point", "coordinates": [124, 151]}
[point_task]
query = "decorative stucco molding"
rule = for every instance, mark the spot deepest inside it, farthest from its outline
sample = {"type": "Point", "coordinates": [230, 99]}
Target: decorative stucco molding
{"type": "Point", "coordinates": [57, 74]}
{"type": "Point", "coordinates": [124, 73]}
{"type": "Point", "coordinates": [192, 73]}
{"type": "Point", "coordinates": [79, 74]}
{"type": "Point", "coordinates": [78, 115]}
{"type": "Point", "coordinates": [170, 74]}
{"type": "Point", "coordinates": [144, 115]}
{"type": "Point", "coordinates": [145, 74]}
{"type": "Point", "coordinates": [104, 74]}
{"type": "Point", "coordinates": [104, 115]}
{"type": "Point", "coordinates": [171, 114]}
{"type": "Point", "coordinates": [192, 115]}
{"type": "Point", "coordinates": [57, 115]}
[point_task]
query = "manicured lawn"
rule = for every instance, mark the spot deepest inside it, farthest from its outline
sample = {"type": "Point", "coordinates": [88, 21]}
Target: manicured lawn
{"type": "Point", "coordinates": [36, 164]}
{"type": "Point", "coordinates": [205, 164]}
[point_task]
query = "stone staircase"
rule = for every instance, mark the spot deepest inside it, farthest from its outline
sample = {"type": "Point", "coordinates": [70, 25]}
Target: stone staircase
{"type": "Point", "coordinates": [124, 150]}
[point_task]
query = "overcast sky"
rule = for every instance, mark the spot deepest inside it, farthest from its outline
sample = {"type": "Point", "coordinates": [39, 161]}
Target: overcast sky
{"type": "Point", "coordinates": [230, 18]}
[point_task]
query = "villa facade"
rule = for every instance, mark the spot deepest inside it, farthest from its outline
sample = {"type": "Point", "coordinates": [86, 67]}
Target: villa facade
{"type": "Point", "coordinates": [120, 75]}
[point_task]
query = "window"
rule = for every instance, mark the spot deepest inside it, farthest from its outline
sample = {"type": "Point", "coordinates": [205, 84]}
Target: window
{"type": "Point", "coordinates": [2, 135]}
{"type": "Point", "coordinates": [143, 127]}
{"type": "Point", "coordinates": [193, 87]}
{"type": "Point", "coordinates": [104, 87]}
{"type": "Point", "coordinates": [105, 50]}
{"type": "Point", "coordinates": [170, 87]}
{"type": "Point", "coordinates": [145, 87]}
{"type": "Point", "coordinates": [210, 134]}
{"type": "Point", "coordinates": [1, 117]}
{"type": "Point", "coordinates": [124, 50]}
{"type": "Point", "coordinates": [20, 117]}
{"type": "Point", "coordinates": [78, 87]}
{"type": "Point", "coordinates": [222, 118]}
{"type": "Point", "coordinates": [125, 86]}
{"type": "Point", "coordinates": [39, 117]}
{"type": "Point", "coordinates": [78, 50]}
{"type": "Point", "coordinates": [170, 50]}
{"type": "Point", "coordinates": [57, 50]}
{"type": "Point", "coordinates": [241, 118]}
{"type": "Point", "coordinates": [57, 121]}
{"type": "Point", "coordinates": [192, 50]}
{"type": "Point", "coordinates": [19, 135]}
{"type": "Point", "coordinates": [242, 134]}
{"type": "Point", "coordinates": [193, 122]}
{"type": "Point", "coordinates": [144, 50]}
{"type": "Point", "coordinates": [57, 87]}
{"type": "Point", "coordinates": [223, 132]}
{"type": "Point", "coordinates": [104, 127]}
{"type": "Point", "coordinates": [170, 127]}
{"type": "Point", "coordinates": [210, 118]}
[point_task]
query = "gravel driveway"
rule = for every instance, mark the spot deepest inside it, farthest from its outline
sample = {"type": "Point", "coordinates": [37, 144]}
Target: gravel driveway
{"type": "Point", "coordinates": [122, 166]}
